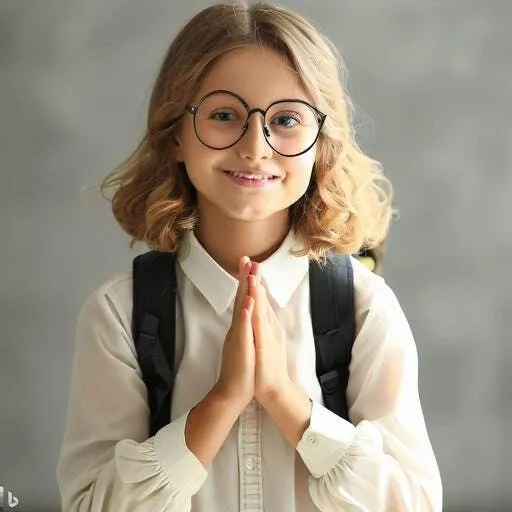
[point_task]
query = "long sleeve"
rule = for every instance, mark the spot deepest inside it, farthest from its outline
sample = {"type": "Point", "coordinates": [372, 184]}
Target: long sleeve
{"type": "Point", "coordinates": [382, 460]}
{"type": "Point", "coordinates": [107, 461]}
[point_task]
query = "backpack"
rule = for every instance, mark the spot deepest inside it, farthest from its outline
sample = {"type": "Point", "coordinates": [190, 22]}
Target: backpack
{"type": "Point", "coordinates": [153, 320]}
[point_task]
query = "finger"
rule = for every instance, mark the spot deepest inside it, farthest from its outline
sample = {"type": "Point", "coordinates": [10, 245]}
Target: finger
{"type": "Point", "coordinates": [252, 287]}
{"type": "Point", "coordinates": [265, 306]}
{"type": "Point", "coordinates": [259, 313]}
{"type": "Point", "coordinates": [248, 308]}
{"type": "Point", "coordinates": [244, 260]}
{"type": "Point", "coordinates": [256, 272]}
{"type": "Point", "coordinates": [241, 263]}
{"type": "Point", "coordinates": [246, 318]}
{"type": "Point", "coordinates": [242, 289]}
{"type": "Point", "coordinates": [266, 311]}
{"type": "Point", "coordinates": [243, 277]}
{"type": "Point", "coordinates": [255, 268]}
{"type": "Point", "coordinates": [259, 292]}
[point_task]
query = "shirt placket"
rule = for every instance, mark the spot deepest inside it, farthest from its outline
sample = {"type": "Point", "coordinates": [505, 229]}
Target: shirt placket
{"type": "Point", "coordinates": [249, 458]}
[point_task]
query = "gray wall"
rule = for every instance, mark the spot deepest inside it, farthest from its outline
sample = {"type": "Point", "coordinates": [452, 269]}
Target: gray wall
{"type": "Point", "coordinates": [432, 81]}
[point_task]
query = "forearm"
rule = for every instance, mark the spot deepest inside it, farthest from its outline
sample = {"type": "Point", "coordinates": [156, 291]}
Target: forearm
{"type": "Point", "coordinates": [290, 410]}
{"type": "Point", "coordinates": [209, 423]}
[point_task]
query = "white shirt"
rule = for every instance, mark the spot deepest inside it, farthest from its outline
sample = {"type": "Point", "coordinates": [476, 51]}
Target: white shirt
{"type": "Point", "coordinates": [383, 463]}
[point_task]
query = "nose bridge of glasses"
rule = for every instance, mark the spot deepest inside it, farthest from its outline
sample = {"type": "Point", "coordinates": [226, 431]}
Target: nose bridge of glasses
{"type": "Point", "coordinates": [256, 134]}
{"type": "Point", "coordinates": [254, 111]}
{"type": "Point", "coordinates": [263, 113]}
{"type": "Point", "coordinates": [249, 114]}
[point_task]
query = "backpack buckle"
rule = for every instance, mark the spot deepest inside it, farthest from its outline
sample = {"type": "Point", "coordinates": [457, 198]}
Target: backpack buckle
{"type": "Point", "coordinates": [329, 381]}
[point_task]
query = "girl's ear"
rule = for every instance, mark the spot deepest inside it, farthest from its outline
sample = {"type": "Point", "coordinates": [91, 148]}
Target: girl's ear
{"type": "Point", "coordinates": [178, 149]}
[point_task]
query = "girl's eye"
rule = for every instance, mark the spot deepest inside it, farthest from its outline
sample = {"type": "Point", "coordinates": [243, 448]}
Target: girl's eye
{"type": "Point", "coordinates": [288, 120]}
{"type": "Point", "coordinates": [223, 116]}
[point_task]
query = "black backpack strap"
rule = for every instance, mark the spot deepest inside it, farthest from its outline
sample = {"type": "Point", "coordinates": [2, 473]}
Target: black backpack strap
{"type": "Point", "coordinates": [153, 319]}
{"type": "Point", "coordinates": [333, 318]}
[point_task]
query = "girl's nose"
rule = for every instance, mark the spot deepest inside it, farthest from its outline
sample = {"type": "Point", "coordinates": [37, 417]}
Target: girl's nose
{"type": "Point", "coordinates": [253, 145]}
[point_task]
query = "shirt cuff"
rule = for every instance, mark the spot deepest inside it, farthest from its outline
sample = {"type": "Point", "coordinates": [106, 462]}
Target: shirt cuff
{"type": "Point", "coordinates": [180, 465]}
{"type": "Point", "coordinates": [325, 441]}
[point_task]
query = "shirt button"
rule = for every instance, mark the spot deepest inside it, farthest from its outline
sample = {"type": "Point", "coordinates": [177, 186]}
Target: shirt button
{"type": "Point", "coordinates": [312, 439]}
{"type": "Point", "coordinates": [249, 463]}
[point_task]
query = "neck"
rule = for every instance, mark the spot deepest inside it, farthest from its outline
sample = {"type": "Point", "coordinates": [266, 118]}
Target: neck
{"type": "Point", "coordinates": [227, 239]}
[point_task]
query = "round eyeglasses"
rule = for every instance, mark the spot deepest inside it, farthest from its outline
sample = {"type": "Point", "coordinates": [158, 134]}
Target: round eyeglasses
{"type": "Point", "coordinates": [291, 127]}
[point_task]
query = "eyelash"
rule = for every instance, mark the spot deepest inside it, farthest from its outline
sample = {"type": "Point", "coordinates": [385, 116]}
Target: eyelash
{"type": "Point", "coordinates": [281, 115]}
{"type": "Point", "coordinates": [292, 115]}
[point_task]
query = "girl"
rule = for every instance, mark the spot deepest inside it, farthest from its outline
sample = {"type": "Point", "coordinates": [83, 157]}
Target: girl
{"type": "Point", "coordinates": [248, 169]}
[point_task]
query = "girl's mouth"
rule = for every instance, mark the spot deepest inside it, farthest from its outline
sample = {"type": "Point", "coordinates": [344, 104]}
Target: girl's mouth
{"type": "Point", "coordinates": [251, 180]}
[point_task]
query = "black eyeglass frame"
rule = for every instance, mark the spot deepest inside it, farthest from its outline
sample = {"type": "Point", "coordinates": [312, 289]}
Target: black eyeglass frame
{"type": "Point", "coordinates": [266, 132]}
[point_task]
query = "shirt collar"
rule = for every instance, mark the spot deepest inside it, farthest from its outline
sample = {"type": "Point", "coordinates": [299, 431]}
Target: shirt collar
{"type": "Point", "coordinates": [281, 272]}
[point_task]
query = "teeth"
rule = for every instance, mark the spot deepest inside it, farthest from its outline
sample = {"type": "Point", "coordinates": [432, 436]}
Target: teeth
{"type": "Point", "coordinates": [250, 176]}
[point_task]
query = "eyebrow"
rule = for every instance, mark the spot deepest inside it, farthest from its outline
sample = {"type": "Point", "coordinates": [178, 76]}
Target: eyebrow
{"type": "Point", "coordinates": [246, 103]}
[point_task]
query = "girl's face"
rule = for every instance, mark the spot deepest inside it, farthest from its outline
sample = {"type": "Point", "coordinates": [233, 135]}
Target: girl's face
{"type": "Point", "coordinates": [260, 77]}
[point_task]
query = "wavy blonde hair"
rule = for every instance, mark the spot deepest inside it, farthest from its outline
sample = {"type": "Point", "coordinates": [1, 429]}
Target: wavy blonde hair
{"type": "Point", "coordinates": [347, 206]}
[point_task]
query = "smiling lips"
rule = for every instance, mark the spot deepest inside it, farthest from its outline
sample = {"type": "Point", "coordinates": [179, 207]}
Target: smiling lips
{"type": "Point", "coordinates": [248, 176]}
{"type": "Point", "coordinates": [250, 180]}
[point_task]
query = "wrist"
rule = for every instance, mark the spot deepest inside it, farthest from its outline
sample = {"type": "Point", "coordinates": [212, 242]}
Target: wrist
{"type": "Point", "coordinates": [290, 409]}
{"type": "Point", "coordinates": [290, 392]}
{"type": "Point", "coordinates": [227, 400]}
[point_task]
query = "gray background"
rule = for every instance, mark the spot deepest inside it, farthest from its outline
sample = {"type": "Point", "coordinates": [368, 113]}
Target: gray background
{"type": "Point", "coordinates": [432, 82]}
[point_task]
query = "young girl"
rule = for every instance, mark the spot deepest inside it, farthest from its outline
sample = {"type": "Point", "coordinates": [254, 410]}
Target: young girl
{"type": "Point", "coordinates": [247, 170]}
